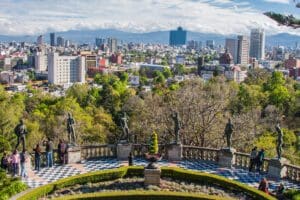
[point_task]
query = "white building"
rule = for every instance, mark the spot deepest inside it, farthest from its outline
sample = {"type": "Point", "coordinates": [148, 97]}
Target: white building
{"type": "Point", "coordinates": [257, 44]}
{"type": "Point", "coordinates": [243, 50]}
{"type": "Point", "coordinates": [40, 62]}
{"type": "Point", "coordinates": [63, 70]}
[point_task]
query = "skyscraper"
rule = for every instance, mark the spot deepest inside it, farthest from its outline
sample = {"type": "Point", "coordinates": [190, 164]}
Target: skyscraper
{"type": "Point", "coordinates": [231, 46]}
{"type": "Point", "coordinates": [210, 44]}
{"type": "Point", "coordinates": [60, 41]}
{"type": "Point", "coordinates": [99, 42]}
{"type": "Point", "coordinates": [177, 37]}
{"type": "Point", "coordinates": [52, 39]}
{"type": "Point", "coordinates": [243, 50]}
{"type": "Point", "coordinates": [39, 40]}
{"type": "Point", "coordinates": [112, 44]}
{"type": "Point", "coordinates": [257, 44]}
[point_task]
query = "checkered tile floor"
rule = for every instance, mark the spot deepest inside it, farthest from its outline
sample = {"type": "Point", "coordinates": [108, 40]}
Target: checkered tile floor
{"type": "Point", "coordinates": [48, 175]}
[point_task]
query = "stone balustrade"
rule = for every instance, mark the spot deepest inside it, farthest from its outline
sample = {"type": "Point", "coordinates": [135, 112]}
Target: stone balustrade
{"type": "Point", "coordinates": [242, 160]}
{"type": "Point", "coordinates": [200, 153]}
{"type": "Point", "coordinates": [98, 151]}
{"type": "Point", "coordinates": [293, 173]}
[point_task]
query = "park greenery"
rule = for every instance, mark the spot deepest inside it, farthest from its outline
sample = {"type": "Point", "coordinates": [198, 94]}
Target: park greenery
{"type": "Point", "coordinates": [9, 186]}
{"type": "Point", "coordinates": [167, 172]}
{"type": "Point", "coordinates": [254, 106]}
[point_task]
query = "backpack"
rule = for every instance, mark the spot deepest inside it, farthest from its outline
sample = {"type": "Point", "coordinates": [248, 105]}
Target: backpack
{"type": "Point", "coordinates": [62, 148]}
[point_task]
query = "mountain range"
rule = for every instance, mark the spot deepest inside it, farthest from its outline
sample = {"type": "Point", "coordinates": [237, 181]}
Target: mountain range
{"type": "Point", "coordinates": [162, 37]}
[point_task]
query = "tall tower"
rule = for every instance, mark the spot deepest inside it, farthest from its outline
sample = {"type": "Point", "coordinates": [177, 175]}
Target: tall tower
{"type": "Point", "coordinates": [52, 39]}
{"type": "Point", "coordinates": [112, 44]}
{"type": "Point", "coordinates": [39, 40]}
{"type": "Point", "coordinates": [232, 45]}
{"type": "Point", "coordinates": [177, 37]}
{"type": "Point", "coordinates": [257, 44]}
{"type": "Point", "coordinates": [243, 50]}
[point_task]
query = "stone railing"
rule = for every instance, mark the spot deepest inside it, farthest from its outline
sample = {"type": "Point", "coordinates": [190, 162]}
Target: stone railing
{"type": "Point", "coordinates": [292, 172]}
{"type": "Point", "coordinates": [242, 160]}
{"type": "Point", "coordinates": [139, 150]}
{"type": "Point", "coordinates": [200, 153]}
{"type": "Point", "coordinates": [98, 151]}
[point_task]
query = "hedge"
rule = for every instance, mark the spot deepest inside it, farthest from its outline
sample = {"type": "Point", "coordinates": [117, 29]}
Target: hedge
{"type": "Point", "coordinates": [13, 188]}
{"type": "Point", "coordinates": [145, 195]}
{"type": "Point", "coordinates": [174, 173]}
{"type": "Point", "coordinates": [292, 194]}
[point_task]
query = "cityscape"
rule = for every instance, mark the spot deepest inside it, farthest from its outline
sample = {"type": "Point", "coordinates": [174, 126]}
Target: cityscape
{"type": "Point", "coordinates": [150, 99]}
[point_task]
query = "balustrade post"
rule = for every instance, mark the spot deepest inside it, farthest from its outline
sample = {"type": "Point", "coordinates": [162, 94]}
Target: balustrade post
{"type": "Point", "coordinates": [123, 150]}
{"type": "Point", "coordinates": [226, 157]}
{"type": "Point", "coordinates": [74, 154]}
{"type": "Point", "coordinates": [174, 152]}
{"type": "Point", "coordinates": [277, 168]}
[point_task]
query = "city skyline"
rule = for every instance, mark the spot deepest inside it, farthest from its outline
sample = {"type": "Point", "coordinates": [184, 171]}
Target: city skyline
{"type": "Point", "coordinates": [206, 16]}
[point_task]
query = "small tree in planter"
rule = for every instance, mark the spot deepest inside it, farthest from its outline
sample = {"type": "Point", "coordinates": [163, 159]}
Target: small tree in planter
{"type": "Point", "coordinates": [153, 155]}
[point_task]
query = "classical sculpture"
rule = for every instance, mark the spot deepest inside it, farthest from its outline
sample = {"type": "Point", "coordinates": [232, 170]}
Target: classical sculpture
{"type": "Point", "coordinates": [21, 131]}
{"type": "Point", "coordinates": [124, 125]}
{"type": "Point", "coordinates": [177, 127]}
{"type": "Point", "coordinates": [71, 130]}
{"type": "Point", "coordinates": [279, 141]}
{"type": "Point", "coordinates": [228, 132]}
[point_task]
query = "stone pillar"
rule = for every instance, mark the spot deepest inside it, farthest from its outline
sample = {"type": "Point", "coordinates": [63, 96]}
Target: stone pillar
{"type": "Point", "coordinates": [175, 152]}
{"type": "Point", "coordinates": [277, 168]}
{"type": "Point", "coordinates": [152, 176]}
{"type": "Point", "coordinates": [226, 157]}
{"type": "Point", "coordinates": [123, 151]}
{"type": "Point", "coordinates": [74, 154]}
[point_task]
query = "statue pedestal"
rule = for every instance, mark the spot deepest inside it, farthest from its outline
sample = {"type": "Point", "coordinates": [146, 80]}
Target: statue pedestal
{"type": "Point", "coordinates": [74, 154]}
{"type": "Point", "coordinates": [277, 168]}
{"type": "Point", "coordinates": [152, 176]}
{"type": "Point", "coordinates": [226, 157]}
{"type": "Point", "coordinates": [175, 152]}
{"type": "Point", "coordinates": [123, 151]}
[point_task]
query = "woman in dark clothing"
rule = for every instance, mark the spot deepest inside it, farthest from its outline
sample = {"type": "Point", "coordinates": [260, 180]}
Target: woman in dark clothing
{"type": "Point", "coordinates": [37, 157]}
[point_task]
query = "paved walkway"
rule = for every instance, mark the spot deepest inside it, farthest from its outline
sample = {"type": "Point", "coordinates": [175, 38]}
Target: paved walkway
{"type": "Point", "coordinates": [48, 175]}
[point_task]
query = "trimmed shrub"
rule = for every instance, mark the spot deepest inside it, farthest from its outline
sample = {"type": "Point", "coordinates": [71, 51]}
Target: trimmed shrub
{"type": "Point", "coordinates": [292, 194]}
{"type": "Point", "coordinates": [145, 195]}
{"type": "Point", "coordinates": [174, 173]}
{"type": "Point", "coordinates": [153, 148]}
{"type": "Point", "coordinates": [13, 188]}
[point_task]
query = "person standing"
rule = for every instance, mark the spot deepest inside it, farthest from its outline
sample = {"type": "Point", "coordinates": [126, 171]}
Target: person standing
{"type": "Point", "coordinates": [4, 162]}
{"type": "Point", "coordinates": [23, 160]}
{"type": "Point", "coordinates": [37, 157]}
{"type": "Point", "coordinates": [49, 152]}
{"type": "Point", "coordinates": [253, 156]}
{"type": "Point", "coordinates": [15, 160]}
{"type": "Point", "coordinates": [260, 159]}
{"type": "Point", "coordinates": [62, 149]}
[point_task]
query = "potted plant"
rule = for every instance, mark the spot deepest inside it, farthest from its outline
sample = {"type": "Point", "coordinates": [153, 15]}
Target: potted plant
{"type": "Point", "coordinates": [153, 155]}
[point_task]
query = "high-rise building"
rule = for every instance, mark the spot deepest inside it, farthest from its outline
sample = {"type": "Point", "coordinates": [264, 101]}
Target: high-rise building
{"type": "Point", "coordinates": [66, 69]}
{"type": "Point", "coordinates": [99, 42]}
{"type": "Point", "coordinates": [112, 44]}
{"type": "Point", "coordinates": [243, 50]}
{"type": "Point", "coordinates": [52, 39]}
{"type": "Point", "coordinates": [177, 37]}
{"type": "Point", "coordinates": [257, 44]}
{"type": "Point", "coordinates": [60, 41]}
{"type": "Point", "coordinates": [67, 43]}
{"type": "Point", "coordinates": [210, 44]}
{"type": "Point", "coordinates": [40, 62]}
{"type": "Point", "coordinates": [39, 40]}
{"type": "Point", "coordinates": [231, 46]}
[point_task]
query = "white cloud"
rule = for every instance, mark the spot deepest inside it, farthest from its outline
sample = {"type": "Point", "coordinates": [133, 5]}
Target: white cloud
{"type": "Point", "coordinates": [278, 1]}
{"type": "Point", "coordinates": [209, 16]}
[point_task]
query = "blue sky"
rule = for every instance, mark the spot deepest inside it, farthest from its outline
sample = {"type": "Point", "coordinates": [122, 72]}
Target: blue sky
{"type": "Point", "coordinates": [33, 17]}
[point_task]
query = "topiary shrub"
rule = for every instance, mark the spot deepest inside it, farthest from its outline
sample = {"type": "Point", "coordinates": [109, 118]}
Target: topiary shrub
{"type": "Point", "coordinates": [153, 148]}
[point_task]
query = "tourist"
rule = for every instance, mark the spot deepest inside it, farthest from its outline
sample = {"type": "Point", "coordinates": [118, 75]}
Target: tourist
{"type": "Point", "coordinates": [279, 191]}
{"type": "Point", "coordinates": [264, 185]}
{"type": "Point", "coordinates": [62, 149]}
{"type": "Point", "coordinates": [15, 160]}
{"type": "Point", "coordinates": [49, 152]}
{"type": "Point", "coordinates": [253, 156]}
{"type": "Point", "coordinates": [260, 159]}
{"type": "Point", "coordinates": [23, 161]}
{"type": "Point", "coordinates": [37, 157]}
{"type": "Point", "coordinates": [4, 162]}
{"type": "Point", "coordinates": [130, 159]}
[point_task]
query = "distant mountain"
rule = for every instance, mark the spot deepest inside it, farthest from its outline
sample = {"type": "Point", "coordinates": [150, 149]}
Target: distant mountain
{"type": "Point", "coordinates": [88, 36]}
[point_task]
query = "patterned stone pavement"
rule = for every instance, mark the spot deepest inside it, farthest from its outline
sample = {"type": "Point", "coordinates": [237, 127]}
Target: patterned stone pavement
{"type": "Point", "coordinates": [48, 175]}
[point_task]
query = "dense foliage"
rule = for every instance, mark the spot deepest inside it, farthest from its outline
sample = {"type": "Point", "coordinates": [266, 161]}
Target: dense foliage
{"type": "Point", "coordinates": [9, 186]}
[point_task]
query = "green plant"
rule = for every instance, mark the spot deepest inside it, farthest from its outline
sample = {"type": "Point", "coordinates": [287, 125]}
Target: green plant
{"type": "Point", "coordinates": [292, 194]}
{"type": "Point", "coordinates": [153, 149]}
{"type": "Point", "coordinates": [11, 188]}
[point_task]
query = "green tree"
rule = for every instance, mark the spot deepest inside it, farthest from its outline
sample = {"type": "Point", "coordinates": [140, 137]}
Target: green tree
{"type": "Point", "coordinates": [167, 72]}
{"type": "Point", "coordinates": [153, 149]}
